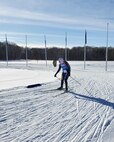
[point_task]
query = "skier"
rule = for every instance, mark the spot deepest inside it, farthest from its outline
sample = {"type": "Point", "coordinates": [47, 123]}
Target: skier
{"type": "Point", "coordinates": [65, 73]}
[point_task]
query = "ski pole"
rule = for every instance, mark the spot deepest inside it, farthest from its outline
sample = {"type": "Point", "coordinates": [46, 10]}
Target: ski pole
{"type": "Point", "coordinates": [58, 78]}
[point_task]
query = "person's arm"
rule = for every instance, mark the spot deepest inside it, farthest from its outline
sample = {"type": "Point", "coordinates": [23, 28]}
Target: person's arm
{"type": "Point", "coordinates": [58, 70]}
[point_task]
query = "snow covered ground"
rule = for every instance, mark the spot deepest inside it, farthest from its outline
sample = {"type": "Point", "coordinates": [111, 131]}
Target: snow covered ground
{"type": "Point", "coordinates": [42, 114]}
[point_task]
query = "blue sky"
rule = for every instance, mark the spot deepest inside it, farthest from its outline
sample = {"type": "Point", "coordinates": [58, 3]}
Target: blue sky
{"type": "Point", "coordinates": [53, 18]}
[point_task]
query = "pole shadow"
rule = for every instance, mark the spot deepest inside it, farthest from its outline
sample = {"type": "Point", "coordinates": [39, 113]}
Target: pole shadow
{"type": "Point", "coordinates": [93, 99]}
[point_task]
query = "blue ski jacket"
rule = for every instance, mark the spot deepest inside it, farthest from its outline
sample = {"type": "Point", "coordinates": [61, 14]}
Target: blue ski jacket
{"type": "Point", "coordinates": [65, 68]}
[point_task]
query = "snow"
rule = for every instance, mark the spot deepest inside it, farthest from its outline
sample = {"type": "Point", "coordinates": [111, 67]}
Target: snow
{"type": "Point", "coordinates": [109, 133]}
{"type": "Point", "coordinates": [43, 114]}
{"type": "Point", "coordinates": [10, 78]}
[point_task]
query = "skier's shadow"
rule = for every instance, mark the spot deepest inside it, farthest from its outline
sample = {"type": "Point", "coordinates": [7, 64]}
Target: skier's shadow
{"type": "Point", "coordinates": [90, 98]}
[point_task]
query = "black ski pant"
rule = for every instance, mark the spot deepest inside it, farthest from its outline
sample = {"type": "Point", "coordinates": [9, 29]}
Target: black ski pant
{"type": "Point", "coordinates": [64, 79]}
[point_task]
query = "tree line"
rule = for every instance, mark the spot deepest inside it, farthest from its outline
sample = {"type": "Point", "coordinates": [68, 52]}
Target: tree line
{"type": "Point", "coordinates": [16, 52]}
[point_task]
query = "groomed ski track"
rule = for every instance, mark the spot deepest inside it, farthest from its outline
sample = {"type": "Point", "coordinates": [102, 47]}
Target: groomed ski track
{"type": "Point", "coordinates": [42, 114]}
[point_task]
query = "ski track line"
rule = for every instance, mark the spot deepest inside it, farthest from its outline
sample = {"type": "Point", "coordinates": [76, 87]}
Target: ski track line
{"type": "Point", "coordinates": [99, 125]}
{"type": "Point", "coordinates": [89, 93]}
{"type": "Point", "coordinates": [59, 120]}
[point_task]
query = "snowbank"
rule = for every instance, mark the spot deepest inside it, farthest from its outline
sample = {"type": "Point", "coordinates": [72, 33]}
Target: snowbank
{"type": "Point", "coordinates": [10, 78]}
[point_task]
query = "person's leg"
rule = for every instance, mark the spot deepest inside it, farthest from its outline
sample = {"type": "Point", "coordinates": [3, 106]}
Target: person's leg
{"type": "Point", "coordinates": [62, 81]}
{"type": "Point", "coordinates": [66, 83]}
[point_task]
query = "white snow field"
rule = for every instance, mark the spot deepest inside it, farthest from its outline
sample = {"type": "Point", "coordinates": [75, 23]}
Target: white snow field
{"type": "Point", "coordinates": [43, 114]}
